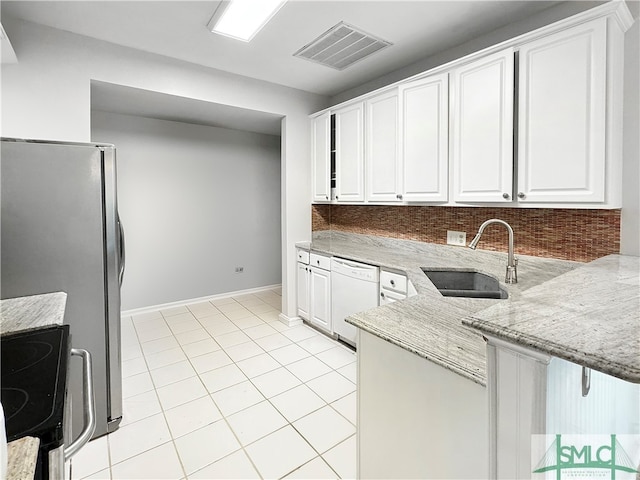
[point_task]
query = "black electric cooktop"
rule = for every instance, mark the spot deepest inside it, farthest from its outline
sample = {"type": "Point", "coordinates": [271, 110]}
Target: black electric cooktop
{"type": "Point", "coordinates": [34, 371]}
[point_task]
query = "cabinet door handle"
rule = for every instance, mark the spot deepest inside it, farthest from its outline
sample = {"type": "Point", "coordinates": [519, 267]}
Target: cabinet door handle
{"type": "Point", "coordinates": [521, 195]}
{"type": "Point", "coordinates": [399, 196]}
{"type": "Point", "coordinates": [506, 196]}
{"type": "Point", "coordinates": [393, 283]}
{"type": "Point", "coordinates": [336, 197]}
{"type": "Point", "coordinates": [382, 294]}
{"type": "Point", "coordinates": [326, 197]}
{"type": "Point", "coordinates": [586, 381]}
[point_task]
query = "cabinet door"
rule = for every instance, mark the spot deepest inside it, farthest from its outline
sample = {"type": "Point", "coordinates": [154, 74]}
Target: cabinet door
{"type": "Point", "coordinates": [303, 291]}
{"type": "Point", "coordinates": [561, 120]}
{"type": "Point", "coordinates": [381, 152]}
{"type": "Point", "coordinates": [424, 127]}
{"type": "Point", "coordinates": [320, 154]}
{"type": "Point", "coordinates": [320, 297]}
{"type": "Point", "coordinates": [349, 154]}
{"type": "Point", "coordinates": [482, 129]}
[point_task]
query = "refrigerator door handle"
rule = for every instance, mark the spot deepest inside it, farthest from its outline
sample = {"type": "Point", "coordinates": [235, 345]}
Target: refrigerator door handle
{"type": "Point", "coordinates": [88, 407]}
{"type": "Point", "coordinates": [122, 252]}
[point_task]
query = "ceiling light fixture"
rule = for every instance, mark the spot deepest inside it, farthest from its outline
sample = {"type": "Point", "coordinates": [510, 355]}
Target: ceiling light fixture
{"type": "Point", "coordinates": [242, 19]}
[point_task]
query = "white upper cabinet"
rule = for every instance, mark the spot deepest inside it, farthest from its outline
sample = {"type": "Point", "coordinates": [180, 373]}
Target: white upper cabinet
{"type": "Point", "coordinates": [562, 116]}
{"type": "Point", "coordinates": [482, 129]}
{"type": "Point", "coordinates": [382, 159]}
{"type": "Point", "coordinates": [320, 155]}
{"type": "Point", "coordinates": [536, 121]}
{"type": "Point", "coordinates": [424, 127]}
{"type": "Point", "coordinates": [349, 153]}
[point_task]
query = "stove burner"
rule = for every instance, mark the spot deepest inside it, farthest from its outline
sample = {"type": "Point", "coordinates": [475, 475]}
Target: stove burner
{"type": "Point", "coordinates": [24, 356]}
{"type": "Point", "coordinates": [33, 372]}
{"type": "Point", "coordinates": [13, 401]}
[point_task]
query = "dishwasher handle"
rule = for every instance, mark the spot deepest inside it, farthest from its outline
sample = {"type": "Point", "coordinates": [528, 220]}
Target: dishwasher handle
{"type": "Point", "coordinates": [88, 404]}
{"type": "Point", "coordinates": [349, 264]}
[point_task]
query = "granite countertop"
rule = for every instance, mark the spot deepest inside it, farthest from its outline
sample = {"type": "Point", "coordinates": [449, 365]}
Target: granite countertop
{"type": "Point", "coordinates": [27, 313]}
{"type": "Point", "coordinates": [429, 324]}
{"type": "Point", "coordinates": [589, 316]}
{"type": "Point", "coordinates": [22, 456]}
{"type": "Point", "coordinates": [34, 311]}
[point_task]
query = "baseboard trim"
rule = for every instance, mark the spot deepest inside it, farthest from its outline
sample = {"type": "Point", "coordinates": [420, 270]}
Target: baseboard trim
{"type": "Point", "coordinates": [290, 321]}
{"type": "Point", "coordinates": [182, 303]}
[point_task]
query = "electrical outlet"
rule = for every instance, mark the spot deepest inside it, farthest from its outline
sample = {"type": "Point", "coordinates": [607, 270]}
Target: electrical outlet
{"type": "Point", "coordinates": [239, 269]}
{"type": "Point", "coordinates": [456, 238]}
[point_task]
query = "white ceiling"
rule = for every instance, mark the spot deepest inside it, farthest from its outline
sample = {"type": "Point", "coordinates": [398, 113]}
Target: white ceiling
{"type": "Point", "coordinates": [417, 29]}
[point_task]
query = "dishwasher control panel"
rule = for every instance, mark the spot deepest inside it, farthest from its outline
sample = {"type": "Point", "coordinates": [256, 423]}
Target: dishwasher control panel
{"type": "Point", "coordinates": [353, 269]}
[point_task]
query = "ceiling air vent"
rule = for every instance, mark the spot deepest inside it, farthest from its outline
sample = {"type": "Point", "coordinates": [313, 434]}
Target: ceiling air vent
{"type": "Point", "coordinates": [341, 46]}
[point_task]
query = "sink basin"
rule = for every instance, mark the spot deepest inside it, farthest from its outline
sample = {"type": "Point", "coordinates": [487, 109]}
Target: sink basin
{"type": "Point", "coordinates": [456, 283]}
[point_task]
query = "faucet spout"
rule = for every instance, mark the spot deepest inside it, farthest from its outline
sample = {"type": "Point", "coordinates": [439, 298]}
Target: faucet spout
{"type": "Point", "coordinates": [512, 262]}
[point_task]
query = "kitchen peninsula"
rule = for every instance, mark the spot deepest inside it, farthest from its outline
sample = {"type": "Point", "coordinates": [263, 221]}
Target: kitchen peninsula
{"type": "Point", "coordinates": [393, 378]}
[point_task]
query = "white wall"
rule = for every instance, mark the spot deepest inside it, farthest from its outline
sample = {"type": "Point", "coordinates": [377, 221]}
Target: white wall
{"type": "Point", "coordinates": [630, 216]}
{"type": "Point", "coordinates": [196, 202]}
{"type": "Point", "coordinates": [47, 95]}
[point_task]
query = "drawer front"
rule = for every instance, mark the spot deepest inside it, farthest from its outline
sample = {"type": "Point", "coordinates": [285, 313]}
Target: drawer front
{"type": "Point", "coordinates": [303, 256]}
{"type": "Point", "coordinates": [387, 297]}
{"type": "Point", "coordinates": [320, 261]}
{"type": "Point", "coordinates": [393, 281]}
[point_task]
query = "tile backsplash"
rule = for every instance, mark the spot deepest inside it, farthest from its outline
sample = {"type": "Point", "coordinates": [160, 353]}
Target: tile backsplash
{"type": "Point", "coordinates": [567, 234]}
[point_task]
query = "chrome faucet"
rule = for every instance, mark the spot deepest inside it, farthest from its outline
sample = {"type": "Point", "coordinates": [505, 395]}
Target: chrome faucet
{"type": "Point", "coordinates": [512, 261]}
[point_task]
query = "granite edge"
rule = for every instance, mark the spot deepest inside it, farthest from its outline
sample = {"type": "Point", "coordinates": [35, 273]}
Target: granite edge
{"type": "Point", "coordinates": [443, 362]}
{"type": "Point", "coordinates": [591, 360]}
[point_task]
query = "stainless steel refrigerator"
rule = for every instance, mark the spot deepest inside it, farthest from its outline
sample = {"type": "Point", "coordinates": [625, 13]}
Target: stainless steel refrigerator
{"type": "Point", "coordinates": [60, 231]}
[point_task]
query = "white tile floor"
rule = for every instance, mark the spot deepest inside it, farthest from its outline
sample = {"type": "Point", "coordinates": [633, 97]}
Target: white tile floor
{"type": "Point", "coordinates": [223, 389]}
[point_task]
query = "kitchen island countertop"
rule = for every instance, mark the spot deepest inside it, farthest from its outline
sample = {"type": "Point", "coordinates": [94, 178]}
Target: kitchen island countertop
{"type": "Point", "coordinates": [589, 316]}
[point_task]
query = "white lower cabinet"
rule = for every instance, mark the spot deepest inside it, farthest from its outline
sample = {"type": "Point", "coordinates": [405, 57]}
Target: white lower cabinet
{"type": "Point", "coordinates": [314, 289]}
{"type": "Point", "coordinates": [320, 298]}
{"type": "Point", "coordinates": [393, 287]}
{"type": "Point", "coordinates": [303, 279]}
{"type": "Point", "coordinates": [536, 400]}
{"type": "Point", "coordinates": [417, 419]}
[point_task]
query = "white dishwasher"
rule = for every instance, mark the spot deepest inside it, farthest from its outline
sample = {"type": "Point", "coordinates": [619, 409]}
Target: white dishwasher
{"type": "Point", "coordinates": [354, 288]}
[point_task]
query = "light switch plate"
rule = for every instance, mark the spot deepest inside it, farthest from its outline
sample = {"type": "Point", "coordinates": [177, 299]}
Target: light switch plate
{"type": "Point", "coordinates": [456, 238]}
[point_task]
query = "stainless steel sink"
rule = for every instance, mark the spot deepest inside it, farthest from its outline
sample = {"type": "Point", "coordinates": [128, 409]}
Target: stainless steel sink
{"type": "Point", "coordinates": [456, 283]}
